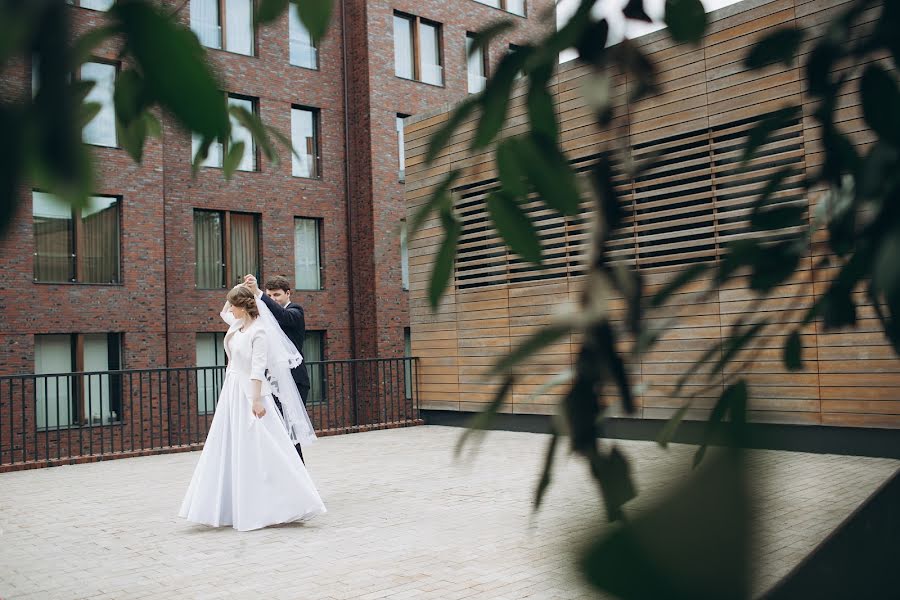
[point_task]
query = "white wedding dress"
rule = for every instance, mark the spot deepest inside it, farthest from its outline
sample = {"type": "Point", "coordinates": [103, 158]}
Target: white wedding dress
{"type": "Point", "coordinates": [249, 475]}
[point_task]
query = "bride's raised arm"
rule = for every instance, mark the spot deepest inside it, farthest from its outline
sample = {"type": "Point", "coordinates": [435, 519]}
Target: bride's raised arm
{"type": "Point", "coordinates": [226, 314]}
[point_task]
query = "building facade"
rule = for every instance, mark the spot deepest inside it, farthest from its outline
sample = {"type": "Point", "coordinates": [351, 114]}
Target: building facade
{"type": "Point", "coordinates": [686, 209]}
{"type": "Point", "coordinates": [136, 280]}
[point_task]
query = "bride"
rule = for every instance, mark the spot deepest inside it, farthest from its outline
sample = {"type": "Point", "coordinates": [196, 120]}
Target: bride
{"type": "Point", "coordinates": [248, 475]}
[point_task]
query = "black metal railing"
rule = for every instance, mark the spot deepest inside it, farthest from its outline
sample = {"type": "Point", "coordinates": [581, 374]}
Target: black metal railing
{"type": "Point", "coordinates": [55, 418]}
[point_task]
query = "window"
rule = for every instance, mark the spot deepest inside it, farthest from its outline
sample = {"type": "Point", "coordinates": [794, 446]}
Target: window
{"type": "Point", "coordinates": [305, 139]}
{"type": "Point", "coordinates": [227, 247]}
{"type": "Point", "coordinates": [211, 361]}
{"type": "Point", "coordinates": [75, 245]}
{"type": "Point", "coordinates": [239, 133]}
{"type": "Point", "coordinates": [401, 149]}
{"type": "Point", "coordinates": [475, 65]}
{"type": "Point", "coordinates": [404, 255]}
{"type": "Point", "coordinates": [93, 4]}
{"type": "Point", "coordinates": [63, 400]}
{"type": "Point", "coordinates": [228, 21]}
{"type": "Point", "coordinates": [314, 352]}
{"type": "Point", "coordinates": [303, 49]}
{"type": "Point", "coordinates": [417, 49]}
{"type": "Point", "coordinates": [516, 7]}
{"type": "Point", "coordinates": [101, 131]}
{"type": "Point", "coordinates": [307, 254]}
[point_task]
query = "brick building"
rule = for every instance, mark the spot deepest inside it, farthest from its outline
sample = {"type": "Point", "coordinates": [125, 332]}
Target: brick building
{"type": "Point", "coordinates": [136, 279]}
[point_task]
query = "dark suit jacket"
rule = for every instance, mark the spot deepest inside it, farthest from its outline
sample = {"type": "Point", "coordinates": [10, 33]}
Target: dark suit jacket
{"type": "Point", "coordinates": [293, 323]}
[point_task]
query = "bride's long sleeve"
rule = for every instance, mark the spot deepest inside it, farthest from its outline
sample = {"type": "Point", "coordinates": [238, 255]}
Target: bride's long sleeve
{"type": "Point", "coordinates": [258, 355]}
{"type": "Point", "coordinates": [227, 316]}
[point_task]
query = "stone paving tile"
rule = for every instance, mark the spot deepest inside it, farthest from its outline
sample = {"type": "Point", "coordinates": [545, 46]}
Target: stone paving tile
{"type": "Point", "coordinates": [406, 520]}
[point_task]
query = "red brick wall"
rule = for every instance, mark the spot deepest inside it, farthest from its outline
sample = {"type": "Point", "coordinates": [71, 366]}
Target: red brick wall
{"type": "Point", "coordinates": [158, 196]}
{"type": "Point", "coordinates": [391, 95]}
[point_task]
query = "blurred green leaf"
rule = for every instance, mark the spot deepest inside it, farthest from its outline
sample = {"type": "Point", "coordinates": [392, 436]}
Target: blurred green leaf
{"type": "Point", "coordinates": [130, 96]}
{"type": "Point", "coordinates": [778, 217]}
{"type": "Point", "coordinates": [736, 343]}
{"type": "Point", "coordinates": [686, 20]}
{"type": "Point", "coordinates": [443, 264]}
{"type": "Point", "coordinates": [550, 174]}
{"type": "Point", "coordinates": [283, 140]}
{"type": "Point", "coordinates": [154, 127]}
{"type": "Point", "coordinates": [773, 185]}
{"type": "Point", "coordinates": [878, 170]}
{"type": "Point", "coordinates": [635, 10]}
{"type": "Point", "coordinates": [837, 306]}
{"type": "Point", "coordinates": [86, 44]}
{"type": "Point", "coordinates": [87, 112]}
{"type": "Point", "coordinates": [11, 163]}
{"type": "Point", "coordinates": [79, 90]}
{"type": "Point", "coordinates": [614, 476]}
{"type": "Point", "coordinates": [610, 207]}
{"type": "Point", "coordinates": [541, 112]}
{"type": "Point", "coordinates": [442, 136]}
{"type": "Point", "coordinates": [255, 125]}
{"type": "Point", "coordinates": [481, 40]}
{"type": "Point", "coordinates": [886, 268]}
{"type": "Point", "coordinates": [173, 64]}
{"type": "Point", "coordinates": [780, 46]}
{"type": "Point", "coordinates": [439, 197]}
{"type": "Point", "coordinates": [668, 430]}
{"type": "Point", "coordinates": [733, 402]}
{"type": "Point", "coordinates": [483, 420]}
{"type": "Point", "coordinates": [546, 471]}
{"type": "Point", "coordinates": [681, 279]}
{"type": "Point", "coordinates": [514, 226]}
{"type": "Point", "coordinates": [543, 337]}
{"type": "Point", "coordinates": [495, 98]}
{"type": "Point", "coordinates": [880, 99]}
{"type": "Point", "coordinates": [201, 154]}
{"type": "Point", "coordinates": [819, 67]}
{"type": "Point", "coordinates": [708, 354]}
{"type": "Point", "coordinates": [772, 122]}
{"type": "Point", "coordinates": [58, 162]}
{"type": "Point", "coordinates": [694, 545]}
{"type": "Point", "coordinates": [793, 352]}
{"type": "Point", "coordinates": [132, 137]}
{"type": "Point", "coordinates": [269, 10]}
{"type": "Point", "coordinates": [838, 309]}
{"type": "Point", "coordinates": [315, 16]}
{"type": "Point", "coordinates": [233, 158]}
{"type": "Point", "coordinates": [773, 265]}
{"type": "Point", "coordinates": [512, 178]}
{"type": "Point", "coordinates": [17, 21]}
{"type": "Point", "coordinates": [592, 45]}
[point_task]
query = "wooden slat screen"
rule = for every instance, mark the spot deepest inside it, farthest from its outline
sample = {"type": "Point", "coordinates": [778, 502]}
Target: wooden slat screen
{"type": "Point", "coordinates": [688, 207]}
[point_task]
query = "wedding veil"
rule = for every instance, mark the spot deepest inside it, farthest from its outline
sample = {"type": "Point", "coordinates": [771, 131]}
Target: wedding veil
{"type": "Point", "coordinates": [281, 357]}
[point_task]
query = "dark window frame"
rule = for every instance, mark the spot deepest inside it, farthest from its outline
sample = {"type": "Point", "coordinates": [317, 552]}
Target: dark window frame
{"type": "Point", "coordinates": [415, 22]}
{"type": "Point", "coordinates": [317, 138]}
{"type": "Point", "coordinates": [116, 360]}
{"type": "Point", "coordinates": [223, 19]}
{"type": "Point", "coordinates": [78, 244]}
{"type": "Point", "coordinates": [225, 248]}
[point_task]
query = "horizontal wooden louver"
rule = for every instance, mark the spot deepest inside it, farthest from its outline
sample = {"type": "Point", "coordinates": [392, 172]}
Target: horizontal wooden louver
{"type": "Point", "coordinates": [695, 198]}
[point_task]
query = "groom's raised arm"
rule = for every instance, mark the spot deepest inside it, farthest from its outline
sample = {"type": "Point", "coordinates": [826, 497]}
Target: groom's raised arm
{"type": "Point", "coordinates": [290, 318]}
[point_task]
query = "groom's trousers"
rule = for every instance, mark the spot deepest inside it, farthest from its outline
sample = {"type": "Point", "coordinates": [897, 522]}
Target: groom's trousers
{"type": "Point", "coordinates": [281, 410]}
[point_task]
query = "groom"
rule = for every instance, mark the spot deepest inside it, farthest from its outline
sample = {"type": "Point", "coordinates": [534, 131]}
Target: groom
{"type": "Point", "coordinates": [292, 321]}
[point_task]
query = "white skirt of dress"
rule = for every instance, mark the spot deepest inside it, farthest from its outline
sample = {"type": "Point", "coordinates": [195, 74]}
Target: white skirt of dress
{"type": "Point", "coordinates": [249, 475]}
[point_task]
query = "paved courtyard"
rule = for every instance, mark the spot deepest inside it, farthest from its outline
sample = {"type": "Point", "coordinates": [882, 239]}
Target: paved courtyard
{"type": "Point", "coordinates": [405, 520]}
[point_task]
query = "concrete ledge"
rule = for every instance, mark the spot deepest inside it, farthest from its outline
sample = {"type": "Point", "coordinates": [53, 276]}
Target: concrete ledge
{"type": "Point", "coordinates": [817, 439]}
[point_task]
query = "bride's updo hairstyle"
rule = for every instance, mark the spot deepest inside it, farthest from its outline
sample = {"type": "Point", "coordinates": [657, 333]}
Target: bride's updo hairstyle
{"type": "Point", "coordinates": [242, 297]}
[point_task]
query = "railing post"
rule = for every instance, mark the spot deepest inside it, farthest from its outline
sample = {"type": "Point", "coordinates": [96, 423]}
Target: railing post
{"type": "Point", "coordinates": [354, 388]}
